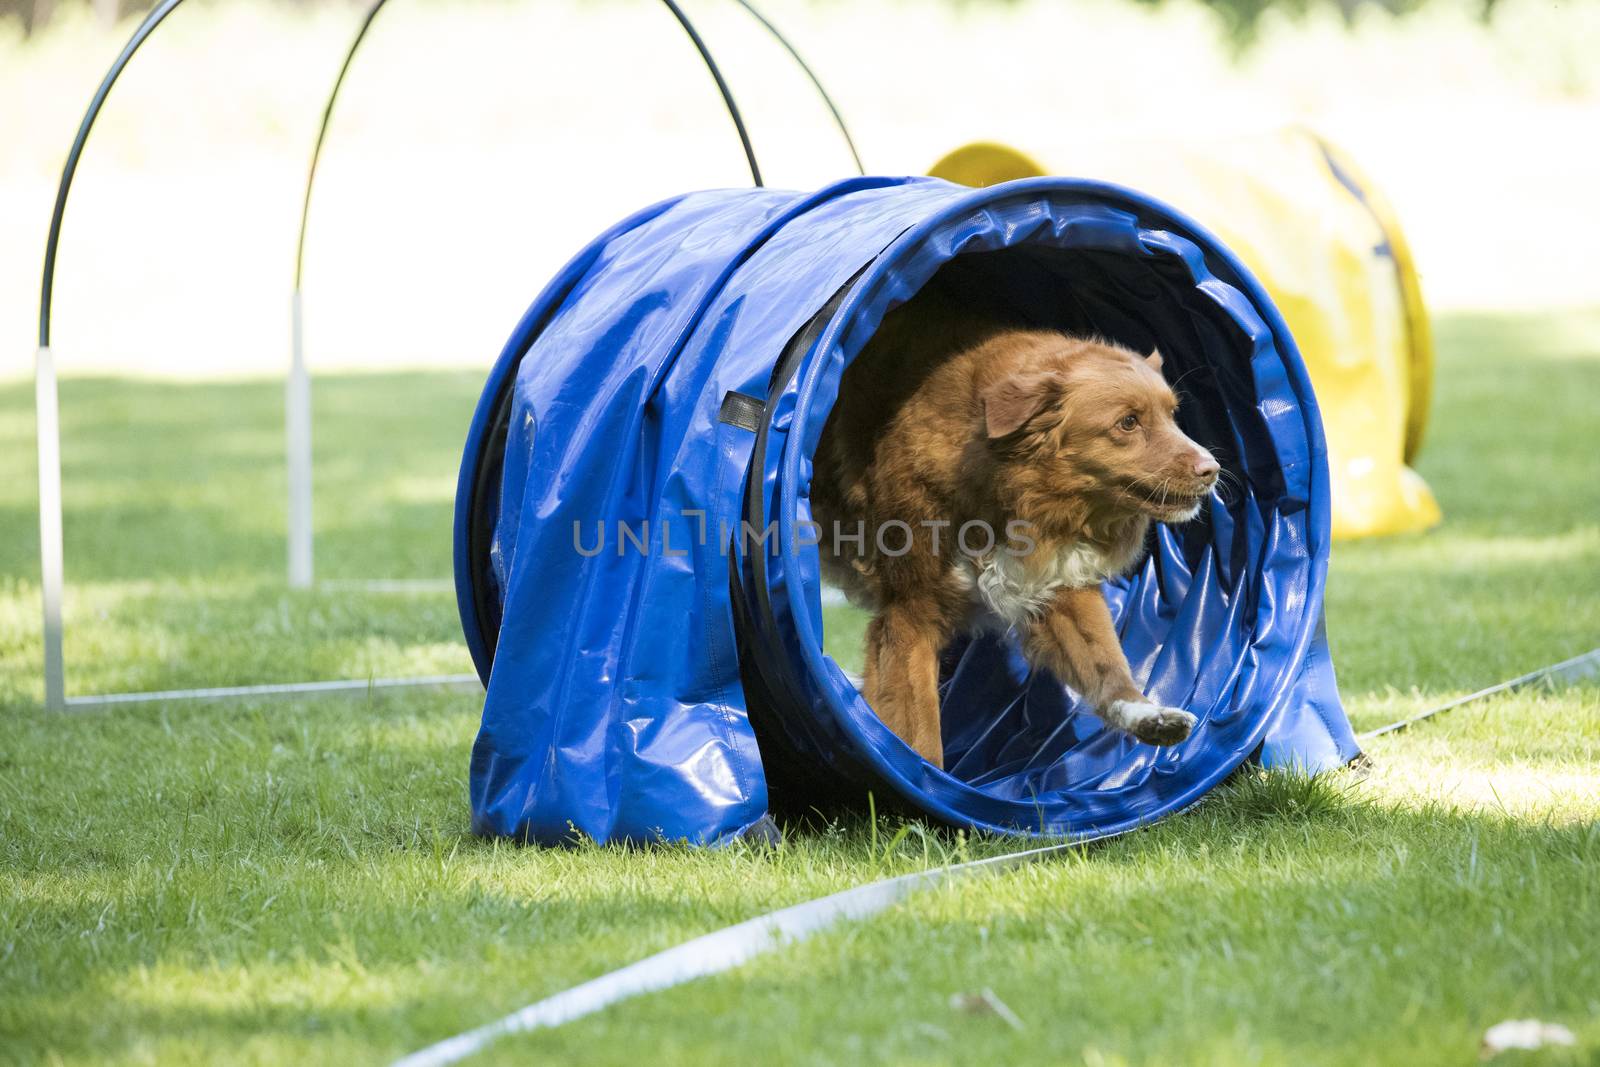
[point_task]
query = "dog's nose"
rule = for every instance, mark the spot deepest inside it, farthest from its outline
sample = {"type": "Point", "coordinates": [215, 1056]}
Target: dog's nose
{"type": "Point", "coordinates": [1206, 467]}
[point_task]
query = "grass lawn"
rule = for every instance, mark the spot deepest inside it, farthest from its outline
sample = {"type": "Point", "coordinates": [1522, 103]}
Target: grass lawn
{"type": "Point", "coordinates": [291, 882]}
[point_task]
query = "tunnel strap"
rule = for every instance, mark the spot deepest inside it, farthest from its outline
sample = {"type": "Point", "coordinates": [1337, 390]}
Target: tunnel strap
{"type": "Point", "coordinates": [742, 411]}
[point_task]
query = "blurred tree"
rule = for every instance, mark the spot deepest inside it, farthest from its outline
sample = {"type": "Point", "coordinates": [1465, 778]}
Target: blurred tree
{"type": "Point", "coordinates": [34, 14]}
{"type": "Point", "coordinates": [1241, 18]}
{"type": "Point", "coordinates": [31, 13]}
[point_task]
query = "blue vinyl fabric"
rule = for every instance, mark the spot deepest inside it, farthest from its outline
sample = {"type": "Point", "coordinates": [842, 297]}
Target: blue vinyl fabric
{"type": "Point", "coordinates": [646, 681]}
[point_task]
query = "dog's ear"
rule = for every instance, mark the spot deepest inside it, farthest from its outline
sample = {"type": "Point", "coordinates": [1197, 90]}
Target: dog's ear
{"type": "Point", "coordinates": [1154, 358]}
{"type": "Point", "coordinates": [1009, 403]}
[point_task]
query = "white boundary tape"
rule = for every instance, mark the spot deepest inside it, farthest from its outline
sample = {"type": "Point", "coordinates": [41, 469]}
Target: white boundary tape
{"type": "Point", "coordinates": [732, 946]}
{"type": "Point", "coordinates": [232, 692]}
{"type": "Point", "coordinates": [716, 952]}
{"type": "Point", "coordinates": [1571, 670]}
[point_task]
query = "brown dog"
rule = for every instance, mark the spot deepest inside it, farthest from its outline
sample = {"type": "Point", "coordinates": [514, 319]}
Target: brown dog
{"type": "Point", "coordinates": [974, 475]}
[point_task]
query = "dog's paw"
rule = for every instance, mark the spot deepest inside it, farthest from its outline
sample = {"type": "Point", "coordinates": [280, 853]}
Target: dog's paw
{"type": "Point", "coordinates": [1150, 723]}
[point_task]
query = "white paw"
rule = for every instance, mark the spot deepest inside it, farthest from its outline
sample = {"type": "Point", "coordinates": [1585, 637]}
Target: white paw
{"type": "Point", "coordinates": [1150, 723]}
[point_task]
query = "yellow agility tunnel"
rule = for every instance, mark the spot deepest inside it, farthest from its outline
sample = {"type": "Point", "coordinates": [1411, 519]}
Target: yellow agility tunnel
{"type": "Point", "coordinates": [1331, 254]}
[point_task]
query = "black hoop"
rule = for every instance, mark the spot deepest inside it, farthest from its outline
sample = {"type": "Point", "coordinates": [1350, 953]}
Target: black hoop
{"type": "Point", "coordinates": [145, 28]}
{"type": "Point", "coordinates": [148, 25]}
{"type": "Point", "coordinates": [688, 28]}
{"type": "Point", "coordinates": [838, 119]}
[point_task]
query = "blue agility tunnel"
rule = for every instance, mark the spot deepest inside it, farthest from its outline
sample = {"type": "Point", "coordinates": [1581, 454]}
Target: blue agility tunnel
{"type": "Point", "coordinates": [653, 673]}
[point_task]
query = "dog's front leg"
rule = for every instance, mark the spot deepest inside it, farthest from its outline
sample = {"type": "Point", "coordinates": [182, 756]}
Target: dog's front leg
{"type": "Point", "coordinates": [902, 674]}
{"type": "Point", "coordinates": [1076, 641]}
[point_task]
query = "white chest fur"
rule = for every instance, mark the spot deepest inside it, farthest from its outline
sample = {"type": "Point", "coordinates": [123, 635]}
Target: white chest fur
{"type": "Point", "coordinates": [1016, 589]}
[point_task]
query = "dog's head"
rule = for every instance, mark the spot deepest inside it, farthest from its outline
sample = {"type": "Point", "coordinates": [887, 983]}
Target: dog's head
{"type": "Point", "coordinates": [1086, 421]}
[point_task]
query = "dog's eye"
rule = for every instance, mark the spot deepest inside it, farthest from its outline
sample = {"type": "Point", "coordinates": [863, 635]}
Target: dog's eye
{"type": "Point", "coordinates": [1128, 423]}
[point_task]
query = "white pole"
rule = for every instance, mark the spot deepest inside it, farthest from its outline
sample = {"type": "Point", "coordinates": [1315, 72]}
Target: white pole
{"type": "Point", "coordinates": [297, 431]}
{"type": "Point", "coordinates": [48, 430]}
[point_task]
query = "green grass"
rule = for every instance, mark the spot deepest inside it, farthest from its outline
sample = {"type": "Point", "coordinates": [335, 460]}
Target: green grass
{"type": "Point", "coordinates": [293, 881]}
{"type": "Point", "coordinates": [174, 517]}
